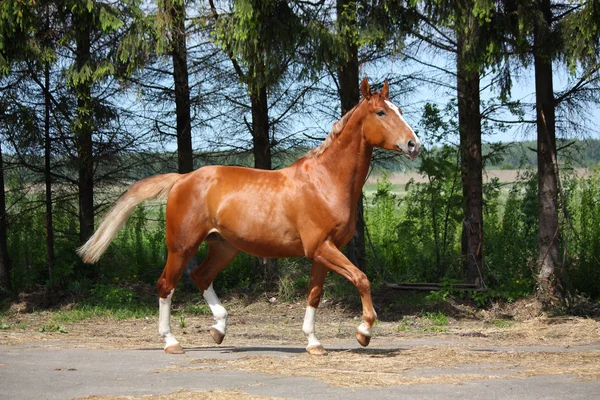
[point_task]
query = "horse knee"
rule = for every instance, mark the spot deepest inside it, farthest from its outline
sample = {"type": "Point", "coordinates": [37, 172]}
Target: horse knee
{"type": "Point", "coordinates": [165, 288]}
{"type": "Point", "coordinates": [314, 296]}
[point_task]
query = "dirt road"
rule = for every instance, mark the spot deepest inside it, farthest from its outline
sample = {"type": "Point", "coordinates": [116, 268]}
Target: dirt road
{"type": "Point", "coordinates": [47, 372]}
{"type": "Point", "coordinates": [426, 354]}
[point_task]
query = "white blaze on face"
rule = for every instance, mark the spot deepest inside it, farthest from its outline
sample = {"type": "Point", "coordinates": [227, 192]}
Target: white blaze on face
{"type": "Point", "coordinates": [393, 107]}
{"type": "Point", "coordinates": [219, 312]}
{"type": "Point", "coordinates": [164, 320]}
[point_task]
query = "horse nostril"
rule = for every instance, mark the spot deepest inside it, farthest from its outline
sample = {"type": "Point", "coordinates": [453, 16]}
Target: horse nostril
{"type": "Point", "coordinates": [411, 146]}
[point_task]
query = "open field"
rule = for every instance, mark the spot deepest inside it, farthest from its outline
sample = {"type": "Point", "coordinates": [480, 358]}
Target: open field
{"type": "Point", "coordinates": [505, 176]}
{"type": "Point", "coordinates": [419, 347]}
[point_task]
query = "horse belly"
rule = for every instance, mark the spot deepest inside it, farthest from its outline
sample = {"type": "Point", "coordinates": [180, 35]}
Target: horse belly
{"type": "Point", "coordinates": [259, 227]}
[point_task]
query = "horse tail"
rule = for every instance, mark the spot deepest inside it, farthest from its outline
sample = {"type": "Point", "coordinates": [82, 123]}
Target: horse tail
{"type": "Point", "coordinates": [154, 187]}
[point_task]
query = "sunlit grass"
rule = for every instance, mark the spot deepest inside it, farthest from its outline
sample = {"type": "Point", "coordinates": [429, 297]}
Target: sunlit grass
{"type": "Point", "coordinates": [85, 311]}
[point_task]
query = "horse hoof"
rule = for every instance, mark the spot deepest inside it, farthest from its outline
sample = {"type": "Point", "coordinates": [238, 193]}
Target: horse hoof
{"type": "Point", "coordinates": [316, 350]}
{"type": "Point", "coordinates": [362, 338]}
{"type": "Point", "coordinates": [174, 349]}
{"type": "Point", "coordinates": [217, 335]}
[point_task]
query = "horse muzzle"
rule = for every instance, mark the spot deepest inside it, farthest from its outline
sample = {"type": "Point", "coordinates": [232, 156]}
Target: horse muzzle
{"type": "Point", "coordinates": [410, 149]}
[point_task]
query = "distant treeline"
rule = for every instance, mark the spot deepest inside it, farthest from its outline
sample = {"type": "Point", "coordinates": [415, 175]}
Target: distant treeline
{"type": "Point", "coordinates": [575, 153]}
{"type": "Point", "coordinates": [515, 155]}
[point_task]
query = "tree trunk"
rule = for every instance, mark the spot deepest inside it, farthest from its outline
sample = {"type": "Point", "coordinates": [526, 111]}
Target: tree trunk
{"type": "Point", "coordinates": [261, 139]}
{"type": "Point", "coordinates": [348, 77]}
{"type": "Point", "coordinates": [261, 148]}
{"type": "Point", "coordinates": [5, 281]}
{"type": "Point", "coordinates": [185, 159]}
{"type": "Point", "coordinates": [469, 126]}
{"type": "Point", "coordinates": [83, 129]}
{"type": "Point", "coordinates": [182, 89]}
{"type": "Point", "coordinates": [48, 175]}
{"type": "Point", "coordinates": [549, 279]}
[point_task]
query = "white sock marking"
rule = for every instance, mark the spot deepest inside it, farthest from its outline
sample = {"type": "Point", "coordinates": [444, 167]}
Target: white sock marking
{"type": "Point", "coordinates": [362, 328]}
{"type": "Point", "coordinates": [309, 326]}
{"type": "Point", "coordinates": [164, 320]}
{"type": "Point", "coordinates": [219, 312]}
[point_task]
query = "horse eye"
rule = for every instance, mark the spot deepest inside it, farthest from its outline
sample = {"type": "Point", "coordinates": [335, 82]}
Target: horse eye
{"type": "Point", "coordinates": [380, 113]}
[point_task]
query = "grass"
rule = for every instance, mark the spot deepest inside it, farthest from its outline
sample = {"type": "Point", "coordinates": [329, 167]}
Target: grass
{"type": "Point", "coordinates": [198, 309]}
{"type": "Point", "coordinates": [84, 312]}
{"type": "Point", "coordinates": [427, 322]}
{"type": "Point", "coordinates": [437, 318]}
{"type": "Point", "coordinates": [53, 328]}
{"type": "Point", "coordinates": [501, 323]}
{"type": "Point", "coordinates": [405, 300]}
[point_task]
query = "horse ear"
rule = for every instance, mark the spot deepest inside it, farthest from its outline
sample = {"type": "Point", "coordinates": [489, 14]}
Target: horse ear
{"type": "Point", "coordinates": [385, 92]}
{"type": "Point", "coordinates": [365, 89]}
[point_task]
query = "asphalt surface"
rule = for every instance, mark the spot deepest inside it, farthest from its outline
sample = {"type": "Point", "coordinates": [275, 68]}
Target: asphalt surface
{"type": "Point", "coordinates": [39, 371]}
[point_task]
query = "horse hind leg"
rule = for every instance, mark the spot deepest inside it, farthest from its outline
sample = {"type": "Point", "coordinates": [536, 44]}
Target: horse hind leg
{"type": "Point", "coordinates": [166, 287]}
{"type": "Point", "coordinates": [220, 254]}
{"type": "Point", "coordinates": [315, 290]}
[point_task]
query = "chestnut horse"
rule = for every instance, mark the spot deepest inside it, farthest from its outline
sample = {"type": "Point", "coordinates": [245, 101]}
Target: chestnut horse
{"type": "Point", "coordinates": [307, 209]}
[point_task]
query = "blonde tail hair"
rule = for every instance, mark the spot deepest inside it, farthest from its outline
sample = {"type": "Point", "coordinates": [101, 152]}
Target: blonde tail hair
{"type": "Point", "coordinates": [154, 187]}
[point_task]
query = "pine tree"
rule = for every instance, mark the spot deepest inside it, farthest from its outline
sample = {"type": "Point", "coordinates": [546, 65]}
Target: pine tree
{"type": "Point", "coordinates": [554, 33]}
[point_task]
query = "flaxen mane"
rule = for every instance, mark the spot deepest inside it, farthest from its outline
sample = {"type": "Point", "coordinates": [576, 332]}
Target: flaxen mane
{"type": "Point", "coordinates": [335, 131]}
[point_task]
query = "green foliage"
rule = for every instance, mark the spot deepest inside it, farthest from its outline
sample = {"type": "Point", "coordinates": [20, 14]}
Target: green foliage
{"type": "Point", "coordinates": [110, 296]}
{"type": "Point", "coordinates": [198, 309]}
{"type": "Point", "coordinates": [262, 35]}
{"type": "Point", "coordinates": [53, 328]}
{"type": "Point", "coordinates": [511, 241]}
{"type": "Point", "coordinates": [26, 241]}
{"type": "Point", "coordinates": [583, 267]}
{"type": "Point", "coordinates": [293, 279]}
{"type": "Point", "coordinates": [138, 253]}
{"type": "Point", "coordinates": [415, 240]}
{"type": "Point", "coordinates": [17, 22]}
{"type": "Point", "coordinates": [580, 35]}
{"type": "Point", "coordinates": [383, 221]}
{"type": "Point", "coordinates": [414, 232]}
{"type": "Point", "coordinates": [432, 216]}
{"type": "Point", "coordinates": [87, 311]}
{"type": "Point", "coordinates": [437, 318]}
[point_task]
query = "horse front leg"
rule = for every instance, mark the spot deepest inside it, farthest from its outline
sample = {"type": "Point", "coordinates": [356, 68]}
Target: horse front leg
{"type": "Point", "coordinates": [331, 257]}
{"type": "Point", "coordinates": [315, 291]}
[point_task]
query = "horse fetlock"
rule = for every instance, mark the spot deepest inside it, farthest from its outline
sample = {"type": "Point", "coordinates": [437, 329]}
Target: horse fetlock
{"type": "Point", "coordinates": [364, 329]}
{"type": "Point", "coordinates": [219, 312]}
{"type": "Point", "coordinates": [170, 341]}
{"type": "Point", "coordinates": [221, 323]}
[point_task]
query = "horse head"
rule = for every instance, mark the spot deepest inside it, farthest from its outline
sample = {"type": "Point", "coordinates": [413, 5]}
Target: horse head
{"type": "Point", "coordinates": [383, 124]}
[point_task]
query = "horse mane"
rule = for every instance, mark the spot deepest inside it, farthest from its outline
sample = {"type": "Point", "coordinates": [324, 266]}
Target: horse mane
{"type": "Point", "coordinates": [333, 133]}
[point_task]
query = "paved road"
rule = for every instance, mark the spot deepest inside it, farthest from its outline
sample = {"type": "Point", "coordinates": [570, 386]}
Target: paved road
{"type": "Point", "coordinates": [41, 372]}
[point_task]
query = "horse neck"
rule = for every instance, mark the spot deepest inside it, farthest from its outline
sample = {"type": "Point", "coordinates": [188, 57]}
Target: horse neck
{"type": "Point", "coordinates": [348, 158]}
